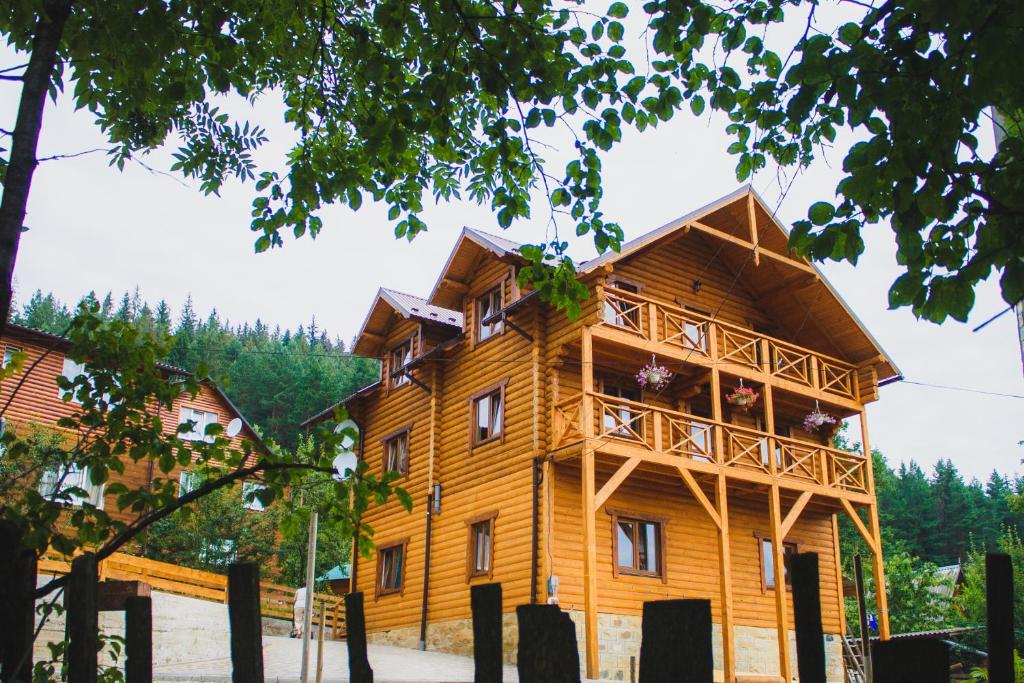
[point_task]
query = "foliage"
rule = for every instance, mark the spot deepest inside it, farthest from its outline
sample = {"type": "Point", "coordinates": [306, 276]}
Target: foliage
{"type": "Point", "coordinates": [973, 597]}
{"type": "Point", "coordinates": [115, 423]}
{"type": "Point", "coordinates": [276, 378]}
{"type": "Point", "coordinates": [400, 101]}
{"type": "Point", "coordinates": [980, 674]}
{"type": "Point", "coordinates": [215, 531]}
{"type": "Point", "coordinates": [913, 589]}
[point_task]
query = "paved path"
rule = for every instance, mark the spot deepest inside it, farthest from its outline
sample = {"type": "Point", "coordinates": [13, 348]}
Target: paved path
{"type": "Point", "coordinates": [282, 659]}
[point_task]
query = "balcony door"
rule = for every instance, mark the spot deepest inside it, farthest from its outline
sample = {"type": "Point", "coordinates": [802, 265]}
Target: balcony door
{"type": "Point", "coordinates": [622, 312]}
{"type": "Point", "coordinates": [623, 420]}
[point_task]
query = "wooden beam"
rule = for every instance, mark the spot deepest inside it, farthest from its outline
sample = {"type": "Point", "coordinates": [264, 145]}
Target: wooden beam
{"type": "Point", "coordinates": [778, 563]}
{"type": "Point", "coordinates": [725, 580]}
{"type": "Point", "coordinates": [839, 574]}
{"type": "Point", "coordinates": [865, 534]}
{"type": "Point", "coordinates": [613, 483]}
{"type": "Point", "coordinates": [794, 513]}
{"type": "Point", "coordinates": [459, 287]}
{"type": "Point", "coordinates": [881, 599]}
{"type": "Point", "coordinates": [589, 566]}
{"type": "Point", "coordinates": [698, 493]}
{"type": "Point", "coordinates": [749, 246]}
{"type": "Point", "coordinates": [752, 221]}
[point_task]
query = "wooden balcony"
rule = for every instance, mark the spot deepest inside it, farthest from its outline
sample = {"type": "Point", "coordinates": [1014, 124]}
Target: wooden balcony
{"type": "Point", "coordinates": [669, 437]}
{"type": "Point", "coordinates": [674, 332]}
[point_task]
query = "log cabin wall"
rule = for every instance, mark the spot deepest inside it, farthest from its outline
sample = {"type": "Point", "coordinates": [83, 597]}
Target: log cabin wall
{"type": "Point", "coordinates": [39, 402]}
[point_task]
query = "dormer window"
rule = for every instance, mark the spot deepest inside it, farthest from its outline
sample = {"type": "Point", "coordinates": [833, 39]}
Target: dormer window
{"type": "Point", "coordinates": [487, 306]}
{"type": "Point", "coordinates": [400, 357]}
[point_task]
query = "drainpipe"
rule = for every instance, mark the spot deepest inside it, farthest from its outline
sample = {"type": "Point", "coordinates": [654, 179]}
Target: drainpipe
{"type": "Point", "coordinates": [538, 479]}
{"type": "Point", "coordinates": [353, 574]}
{"type": "Point", "coordinates": [426, 573]}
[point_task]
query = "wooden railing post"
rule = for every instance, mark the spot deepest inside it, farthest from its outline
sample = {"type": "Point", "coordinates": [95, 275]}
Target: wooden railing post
{"type": "Point", "coordinates": [716, 396]}
{"type": "Point", "coordinates": [246, 623]}
{"type": "Point", "coordinates": [815, 373]}
{"type": "Point", "coordinates": [652, 321]}
{"type": "Point", "coordinates": [656, 416]}
{"type": "Point", "coordinates": [17, 584]}
{"type": "Point", "coordinates": [82, 620]}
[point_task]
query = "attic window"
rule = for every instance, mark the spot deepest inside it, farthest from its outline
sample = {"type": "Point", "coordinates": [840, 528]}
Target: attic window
{"type": "Point", "coordinates": [400, 356]}
{"type": "Point", "coordinates": [487, 306]}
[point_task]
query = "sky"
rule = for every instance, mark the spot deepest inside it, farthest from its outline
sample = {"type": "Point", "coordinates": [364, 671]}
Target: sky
{"type": "Point", "coordinates": [94, 228]}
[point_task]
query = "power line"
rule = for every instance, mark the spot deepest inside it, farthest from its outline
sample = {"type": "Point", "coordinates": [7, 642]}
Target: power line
{"type": "Point", "coordinates": [964, 389]}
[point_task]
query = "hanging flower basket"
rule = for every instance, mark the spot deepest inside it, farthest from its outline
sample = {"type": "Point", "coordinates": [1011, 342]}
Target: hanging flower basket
{"type": "Point", "coordinates": [653, 376]}
{"type": "Point", "coordinates": [743, 398]}
{"type": "Point", "coordinates": [819, 422]}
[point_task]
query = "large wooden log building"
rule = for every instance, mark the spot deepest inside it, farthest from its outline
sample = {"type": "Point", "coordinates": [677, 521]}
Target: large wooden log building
{"type": "Point", "coordinates": [536, 460]}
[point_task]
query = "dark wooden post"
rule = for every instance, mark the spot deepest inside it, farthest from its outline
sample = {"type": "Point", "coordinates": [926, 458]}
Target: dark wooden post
{"type": "Point", "coordinates": [810, 637]}
{"type": "Point", "coordinates": [138, 640]}
{"type": "Point", "coordinates": [17, 584]}
{"type": "Point", "coordinates": [485, 601]}
{"type": "Point", "coordinates": [548, 652]}
{"type": "Point", "coordinates": [82, 619]}
{"type": "Point", "coordinates": [999, 598]}
{"type": "Point", "coordinates": [246, 624]}
{"type": "Point", "coordinates": [676, 642]}
{"type": "Point", "coordinates": [910, 661]}
{"type": "Point", "coordinates": [359, 670]}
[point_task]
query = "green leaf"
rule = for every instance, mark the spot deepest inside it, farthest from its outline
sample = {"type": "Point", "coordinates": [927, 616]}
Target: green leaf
{"type": "Point", "coordinates": [618, 10]}
{"type": "Point", "coordinates": [821, 213]}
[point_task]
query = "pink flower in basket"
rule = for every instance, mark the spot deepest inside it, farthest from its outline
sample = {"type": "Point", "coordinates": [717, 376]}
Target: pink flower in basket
{"type": "Point", "coordinates": [653, 375]}
{"type": "Point", "coordinates": [742, 396]}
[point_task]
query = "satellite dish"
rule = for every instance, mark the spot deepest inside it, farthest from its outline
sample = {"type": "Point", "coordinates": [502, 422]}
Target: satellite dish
{"type": "Point", "coordinates": [347, 441]}
{"type": "Point", "coordinates": [234, 427]}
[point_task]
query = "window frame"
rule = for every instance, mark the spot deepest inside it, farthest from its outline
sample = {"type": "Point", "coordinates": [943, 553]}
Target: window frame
{"type": "Point", "coordinates": [621, 385]}
{"type": "Point", "coordinates": [396, 381]}
{"type": "Point", "coordinates": [661, 538]}
{"type": "Point", "coordinates": [385, 442]}
{"type": "Point", "coordinates": [471, 548]}
{"type": "Point", "coordinates": [188, 481]}
{"type": "Point", "coordinates": [612, 315]}
{"type": "Point", "coordinates": [498, 328]}
{"type": "Point", "coordinates": [403, 544]}
{"type": "Point", "coordinates": [9, 351]}
{"type": "Point", "coordinates": [201, 433]}
{"type": "Point", "coordinates": [763, 538]}
{"type": "Point", "coordinates": [256, 505]}
{"type": "Point", "coordinates": [474, 427]}
{"type": "Point", "coordinates": [80, 367]}
{"type": "Point", "coordinates": [95, 493]}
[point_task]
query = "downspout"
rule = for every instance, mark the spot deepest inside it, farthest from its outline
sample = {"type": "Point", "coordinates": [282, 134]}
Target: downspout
{"type": "Point", "coordinates": [425, 603]}
{"type": "Point", "coordinates": [426, 573]}
{"type": "Point", "coordinates": [538, 479]}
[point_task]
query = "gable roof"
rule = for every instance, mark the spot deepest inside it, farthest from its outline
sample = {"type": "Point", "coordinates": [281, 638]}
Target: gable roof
{"type": "Point", "coordinates": [729, 218]}
{"type": "Point", "coordinates": [387, 303]}
{"type": "Point", "coordinates": [461, 261]}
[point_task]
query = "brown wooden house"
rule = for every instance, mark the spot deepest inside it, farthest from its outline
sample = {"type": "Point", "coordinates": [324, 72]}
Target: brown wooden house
{"type": "Point", "coordinates": [536, 460]}
{"type": "Point", "coordinates": [38, 403]}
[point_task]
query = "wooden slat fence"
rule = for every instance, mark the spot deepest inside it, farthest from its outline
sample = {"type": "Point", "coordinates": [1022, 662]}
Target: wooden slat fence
{"type": "Point", "coordinates": [275, 599]}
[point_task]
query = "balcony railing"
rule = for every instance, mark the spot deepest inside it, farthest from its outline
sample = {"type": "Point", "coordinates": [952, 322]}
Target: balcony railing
{"type": "Point", "coordinates": [672, 433]}
{"type": "Point", "coordinates": [725, 343]}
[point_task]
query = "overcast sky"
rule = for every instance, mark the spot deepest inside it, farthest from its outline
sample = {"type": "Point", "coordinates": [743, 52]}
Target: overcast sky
{"type": "Point", "coordinates": [93, 228]}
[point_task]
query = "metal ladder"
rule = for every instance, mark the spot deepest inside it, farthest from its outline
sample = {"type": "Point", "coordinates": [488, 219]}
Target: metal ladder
{"type": "Point", "coordinates": [853, 660]}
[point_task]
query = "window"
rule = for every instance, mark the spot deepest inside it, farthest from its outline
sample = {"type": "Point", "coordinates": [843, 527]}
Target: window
{"type": "Point", "coordinates": [400, 356]}
{"type": "Point", "coordinates": [391, 568]}
{"type": "Point", "coordinates": [57, 485]}
{"type": "Point", "coordinates": [249, 491]}
{"type": "Point", "coordinates": [3, 430]}
{"type": "Point", "coordinates": [9, 354]}
{"type": "Point", "coordinates": [200, 420]}
{"type": "Point", "coordinates": [486, 306]}
{"type": "Point", "coordinates": [70, 371]}
{"type": "Point", "coordinates": [624, 420]}
{"type": "Point", "coordinates": [396, 452]}
{"type": "Point", "coordinates": [487, 416]}
{"type": "Point", "coordinates": [187, 482]}
{"type": "Point", "coordinates": [695, 331]}
{"type": "Point", "coordinates": [623, 312]}
{"type": "Point", "coordinates": [219, 552]}
{"type": "Point", "coordinates": [638, 545]}
{"type": "Point", "coordinates": [480, 549]}
{"type": "Point", "coordinates": [767, 560]}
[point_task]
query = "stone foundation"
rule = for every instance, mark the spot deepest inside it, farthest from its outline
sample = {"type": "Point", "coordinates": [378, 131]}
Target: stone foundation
{"type": "Point", "coordinates": [619, 643]}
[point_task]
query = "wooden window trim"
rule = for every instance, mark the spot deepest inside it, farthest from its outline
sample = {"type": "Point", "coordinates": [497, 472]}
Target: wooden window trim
{"type": "Point", "coordinates": [407, 430]}
{"type": "Point", "coordinates": [500, 286]}
{"type": "Point", "coordinates": [614, 280]}
{"type": "Point", "coordinates": [471, 572]}
{"type": "Point", "coordinates": [500, 436]}
{"type": "Point", "coordinates": [391, 545]}
{"type": "Point", "coordinates": [661, 521]}
{"type": "Point", "coordinates": [389, 380]}
{"type": "Point", "coordinates": [762, 536]}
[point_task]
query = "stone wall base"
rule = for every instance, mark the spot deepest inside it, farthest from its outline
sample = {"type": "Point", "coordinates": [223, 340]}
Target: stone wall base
{"type": "Point", "coordinates": [619, 643]}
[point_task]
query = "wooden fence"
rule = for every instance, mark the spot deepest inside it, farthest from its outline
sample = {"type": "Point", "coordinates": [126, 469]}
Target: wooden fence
{"type": "Point", "coordinates": [275, 600]}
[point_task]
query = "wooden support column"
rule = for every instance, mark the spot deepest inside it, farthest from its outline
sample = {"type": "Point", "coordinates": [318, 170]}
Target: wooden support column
{"type": "Point", "coordinates": [752, 219]}
{"type": "Point", "coordinates": [778, 563]}
{"type": "Point", "coordinates": [881, 596]}
{"type": "Point", "coordinates": [716, 394]}
{"type": "Point", "coordinates": [769, 419]}
{"type": "Point", "coordinates": [839, 574]}
{"type": "Point", "coordinates": [725, 580]}
{"type": "Point", "coordinates": [587, 507]}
